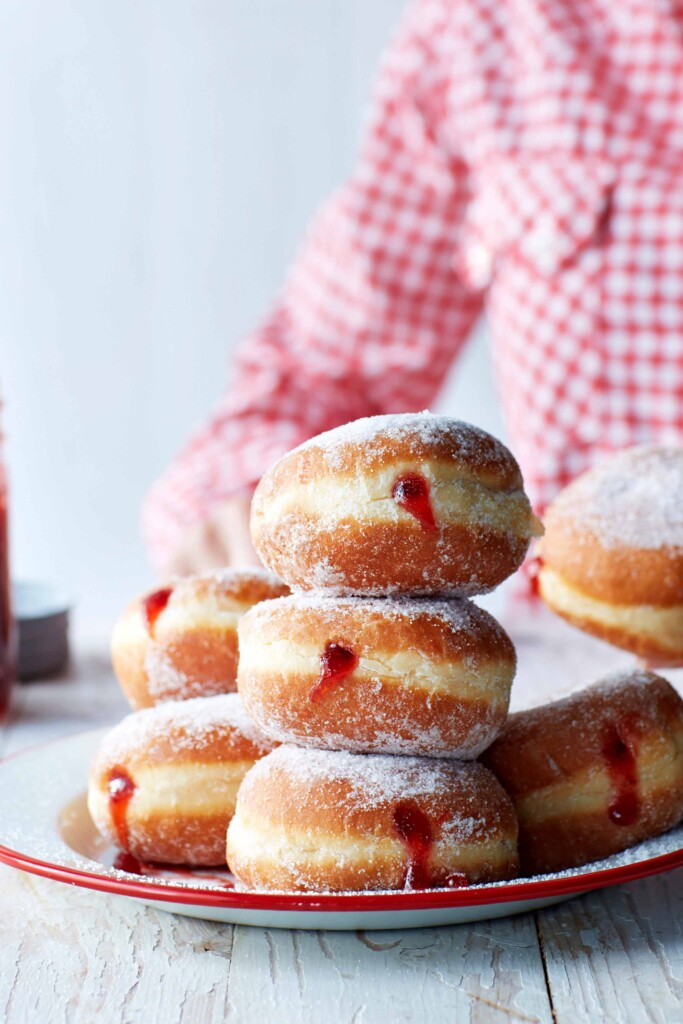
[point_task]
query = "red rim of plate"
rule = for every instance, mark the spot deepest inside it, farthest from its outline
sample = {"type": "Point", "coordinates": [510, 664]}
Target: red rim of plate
{"type": "Point", "coordinates": [352, 902]}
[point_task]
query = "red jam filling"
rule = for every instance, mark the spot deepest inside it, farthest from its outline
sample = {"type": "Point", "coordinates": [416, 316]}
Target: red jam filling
{"type": "Point", "coordinates": [621, 764]}
{"type": "Point", "coordinates": [533, 571]}
{"type": "Point", "coordinates": [153, 605]}
{"type": "Point", "coordinates": [336, 663]}
{"type": "Point", "coordinates": [411, 492]}
{"type": "Point", "coordinates": [127, 862]}
{"type": "Point", "coordinates": [121, 788]}
{"type": "Point", "coordinates": [415, 830]}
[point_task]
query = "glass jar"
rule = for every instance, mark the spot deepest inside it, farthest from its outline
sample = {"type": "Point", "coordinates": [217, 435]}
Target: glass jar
{"type": "Point", "coordinates": [7, 633]}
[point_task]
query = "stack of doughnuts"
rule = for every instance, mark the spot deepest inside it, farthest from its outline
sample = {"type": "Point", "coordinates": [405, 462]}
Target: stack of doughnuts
{"type": "Point", "coordinates": [380, 678]}
{"type": "Point", "coordinates": [369, 746]}
{"type": "Point", "coordinates": [164, 782]}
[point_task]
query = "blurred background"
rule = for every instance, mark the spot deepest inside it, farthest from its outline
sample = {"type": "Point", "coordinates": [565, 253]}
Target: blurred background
{"type": "Point", "coordinates": [160, 164]}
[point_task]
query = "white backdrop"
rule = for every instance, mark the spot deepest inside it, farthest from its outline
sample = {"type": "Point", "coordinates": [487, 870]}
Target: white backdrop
{"type": "Point", "coordinates": [160, 161]}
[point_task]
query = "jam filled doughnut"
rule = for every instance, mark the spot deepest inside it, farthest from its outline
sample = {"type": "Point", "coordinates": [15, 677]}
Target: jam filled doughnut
{"type": "Point", "coordinates": [612, 555]}
{"type": "Point", "coordinates": [164, 782]}
{"type": "Point", "coordinates": [394, 676]}
{"type": "Point", "coordinates": [181, 641]}
{"type": "Point", "coordinates": [594, 773]}
{"type": "Point", "coordinates": [328, 820]}
{"type": "Point", "coordinates": [415, 503]}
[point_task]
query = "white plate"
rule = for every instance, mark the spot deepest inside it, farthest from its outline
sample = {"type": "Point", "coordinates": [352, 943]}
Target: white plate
{"type": "Point", "coordinates": [45, 828]}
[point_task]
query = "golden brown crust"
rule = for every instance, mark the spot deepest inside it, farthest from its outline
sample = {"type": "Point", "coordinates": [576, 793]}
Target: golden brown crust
{"type": "Point", "coordinates": [432, 678]}
{"type": "Point", "coordinates": [557, 764]}
{"type": "Point", "coordinates": [171, 838]}
{"type": "Point", "coordinates": [616, 532]}
{"type": "Point", "coordinates": [229, 589]}
{"type": "Point", "coordinates": [450, 442]}
{"type": "Point", "coordinates": [584, 837]}
{"type": "Point", "coordinates": [183, 732]}
{"type": "Point", "coordinates": [657, 650]}
{"type": "Point", "coordinates": [327, 820]}
{"type": "Point", "coordinates": [447, 630]}
{"type": "Point", "coordinates": [622, 575]}
{"type": "Point", "coordinates": [390, 558]}
{"type": "Point", "coordinates": [184, 762]}
{"type": "Point", "coordinates": [180, 664]}
{"type": "Point", "coordinates": [326, 516]}
{"type": "Point", "coordinates": [191, 649]}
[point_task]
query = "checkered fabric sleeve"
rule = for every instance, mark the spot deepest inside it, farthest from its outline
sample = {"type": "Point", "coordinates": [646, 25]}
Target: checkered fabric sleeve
{"type": "Point", "coordinates": [525, 151]}
{"type": "Point", "coordinates": [372, 312]}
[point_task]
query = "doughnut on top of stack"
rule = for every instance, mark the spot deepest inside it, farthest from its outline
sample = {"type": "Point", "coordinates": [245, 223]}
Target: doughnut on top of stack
{"type": "Point", "coordinates": [412, 503]}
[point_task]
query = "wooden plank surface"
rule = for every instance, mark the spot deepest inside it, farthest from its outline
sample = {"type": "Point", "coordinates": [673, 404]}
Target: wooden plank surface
{"type": "Point", "coordinates": [489, 971]}
{"type": "Point", "coordinates": [617, 954]}
{"type": "Point", "coordinates": [79, 956]}
{"type": "Point", "coordinates": [72, 955]}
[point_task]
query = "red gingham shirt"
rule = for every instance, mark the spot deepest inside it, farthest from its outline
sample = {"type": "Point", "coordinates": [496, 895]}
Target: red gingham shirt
{"type": "Point", "coordinates": [522, 155]}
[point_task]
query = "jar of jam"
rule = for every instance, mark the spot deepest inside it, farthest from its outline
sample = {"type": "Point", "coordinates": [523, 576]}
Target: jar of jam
{"type": "Point", "coordinates": [7, 636]}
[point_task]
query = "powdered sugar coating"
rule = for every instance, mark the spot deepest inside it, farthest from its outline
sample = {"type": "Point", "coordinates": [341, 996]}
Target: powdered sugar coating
{"type": "Point", "coordinates": [456, 613]}
{"type": "Point", "coordinates": [474, 445]}
{"type": "Point", "coordinates": [167, 682]}
{"type": "Point", "coordinates": [431, 743]}
{"type": "Point", "coordinates": [328, 515]}
{"type": "Point", "coordinates": [189, 646]}
{"type": "Point", "coordinates": [373, 779]}
{"type": "Point", "coordinates": [184, 726]}
{"type": "Point", "coordinates": [593, 773]}
{"type": "Point", "coordinates": [230, 578]}
{"type": "Point", "coordinates": [432, 677]}
{"type": "Point", "coordinates": [609, 684]}
{"type": "Point", "coordinates": [634, 499]}
{"type": "Point", "coordinates": [572, 726]}
{"type": "Point", "coordinates": [316, 820]}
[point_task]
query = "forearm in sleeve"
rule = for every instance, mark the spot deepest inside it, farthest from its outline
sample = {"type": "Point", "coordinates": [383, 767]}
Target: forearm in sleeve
{"type": "Point", "coordinates": [371, 315]}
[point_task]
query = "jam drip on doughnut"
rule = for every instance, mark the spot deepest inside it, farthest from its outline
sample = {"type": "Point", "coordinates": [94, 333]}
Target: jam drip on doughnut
{"type": "Point", "coordinates": [621, 764]}
{"type": "Point", "coordinates": [533, 571]}
{"type": "Point", "coordinates": [411, 492]}
{"type": "Point", "coordinates": [336, 663]}
{"type": "Point", "coordinates": [153, 605]}
{"type": "Point", "coordinates": [121, 788]}
{"type": "Point", "coordinates": [414, 828]}
{"type": "Point", "coordinates": [127, 862]}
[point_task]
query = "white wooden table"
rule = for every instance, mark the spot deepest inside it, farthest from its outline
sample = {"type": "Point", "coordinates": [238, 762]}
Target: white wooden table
{"type": "Point", "coordinates": [69, 954]}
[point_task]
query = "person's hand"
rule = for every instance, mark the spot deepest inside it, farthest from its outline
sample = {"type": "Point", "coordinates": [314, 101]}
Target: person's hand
{"type": "Point", "coordinates": [221, 540]}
